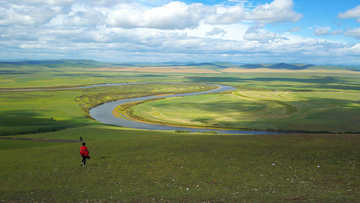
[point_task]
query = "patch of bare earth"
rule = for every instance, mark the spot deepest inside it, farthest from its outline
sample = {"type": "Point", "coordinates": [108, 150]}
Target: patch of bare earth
{"type": "Point", "coordinates": [177, 69]}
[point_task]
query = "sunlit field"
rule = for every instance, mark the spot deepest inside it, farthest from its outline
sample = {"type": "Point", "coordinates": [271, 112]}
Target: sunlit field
{"type": "Point", "coordinates": [336, 112]}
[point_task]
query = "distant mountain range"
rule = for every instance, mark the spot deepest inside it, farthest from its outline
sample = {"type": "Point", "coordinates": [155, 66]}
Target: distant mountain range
{"type": "Point", "coordinates": [206, 65]}
{"type": "Point", "coordinates": [51, 63]}
{"type": "Point", "coordinates": [279, 66]}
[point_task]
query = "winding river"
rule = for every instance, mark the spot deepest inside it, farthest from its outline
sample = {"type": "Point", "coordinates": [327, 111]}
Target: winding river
{"type": "Point", "coordinates": [103, 113]}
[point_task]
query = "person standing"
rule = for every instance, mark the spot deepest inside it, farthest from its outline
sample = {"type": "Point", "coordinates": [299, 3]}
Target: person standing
{"type": "Point", "coordinates": [84, 152]}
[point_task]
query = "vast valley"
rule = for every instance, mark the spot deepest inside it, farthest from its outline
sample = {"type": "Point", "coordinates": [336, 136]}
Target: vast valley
{"type": "Point", "coordinates": [311, 155]}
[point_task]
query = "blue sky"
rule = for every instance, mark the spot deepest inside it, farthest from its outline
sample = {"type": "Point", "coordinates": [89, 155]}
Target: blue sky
{"type": "Point", "coordinates": [244, 31]}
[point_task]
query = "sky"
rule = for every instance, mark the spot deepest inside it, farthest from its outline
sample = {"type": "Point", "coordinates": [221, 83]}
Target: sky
{"type": "Point", "coordinates": [242, 31]}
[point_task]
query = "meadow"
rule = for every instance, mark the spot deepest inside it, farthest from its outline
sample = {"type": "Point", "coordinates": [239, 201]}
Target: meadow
{"type": "Point", "coordinates": [129, 165]}
{"type": "Point", "coordinates": [41, 125]}
{"type": "Point", "coordinates": [51, 110]}
{"type": "Point", "coordinates": [333, 112]}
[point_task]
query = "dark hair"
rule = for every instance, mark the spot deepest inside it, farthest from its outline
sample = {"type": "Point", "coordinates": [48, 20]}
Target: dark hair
{"type": "Point", "coordinates": [83, 143]}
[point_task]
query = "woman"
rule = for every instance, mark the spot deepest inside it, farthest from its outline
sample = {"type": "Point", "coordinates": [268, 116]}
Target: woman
{"type": "Point", "coordinates": [84, 152]}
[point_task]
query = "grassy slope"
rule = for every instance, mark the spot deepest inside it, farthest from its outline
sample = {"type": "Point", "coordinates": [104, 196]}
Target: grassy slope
{"type": "Point", "coordinates": [145, 166]}
{"type": "Point", "coordinates": [21, 111]}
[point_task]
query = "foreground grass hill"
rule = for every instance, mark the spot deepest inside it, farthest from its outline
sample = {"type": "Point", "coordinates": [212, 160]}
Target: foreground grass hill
{"type": "Point", "coordinates": [147, 166]}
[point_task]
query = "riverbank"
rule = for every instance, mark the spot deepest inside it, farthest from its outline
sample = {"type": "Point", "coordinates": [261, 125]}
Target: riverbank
{"type": "Point", "coordinates": [104, 114]}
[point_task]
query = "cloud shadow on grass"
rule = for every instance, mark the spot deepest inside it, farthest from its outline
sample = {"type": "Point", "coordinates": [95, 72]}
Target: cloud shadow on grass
{"type": "Point", "coordinates": [24, 122]}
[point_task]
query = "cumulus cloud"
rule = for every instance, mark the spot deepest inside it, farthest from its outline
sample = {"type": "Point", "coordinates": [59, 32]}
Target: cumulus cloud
{"type": "Point", "coordinates": [352, 13]}
{"type": "Point", "coordinates": [90, 17]}
{"type": "Point", "coordinates": [175, 15]}
{"type": "Point", "coordinates": [353, 33]}
{"type": "Point", "coordinates": [326, 31]}
{"type": "Point", "coordinates": [142, 44]}
{"type": "Point", "coordinates": [295, 29]}
{"type": "Point", "coordinates": [275, 12]}
{"type": "Point", "coordinates": [262, 36]}
{"type": "Point", "coordinates": [67, 2]}
{"type": "Point", "coordinates": [216, 31]}
{"type": "Point", "coordinates": [129, 14]}
{"type": "Point", "coordinates": [336, 32]}
{"type": "Point", "coordinates": [231, 14]}
{"type": "Point", "coordinates": [179, 15]}
{"type": "Point", "coordinates": [25, 15]}
{"type": "Point", "coordinates": [47, 2]}
{"type": "Point", "coordinates": [321, 31]}
{"type": "Point", "coordinates": [19, 35]}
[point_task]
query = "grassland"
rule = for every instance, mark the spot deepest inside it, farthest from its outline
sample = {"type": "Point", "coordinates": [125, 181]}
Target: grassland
{"type": "Point", "coordinates": [142, 166]}
{"type": "Point", "coordinates": [39, 158]}
{"type": "Point", "coordinates": [51, 110]}
{"type": "Point", "coordinates": [335, 112]}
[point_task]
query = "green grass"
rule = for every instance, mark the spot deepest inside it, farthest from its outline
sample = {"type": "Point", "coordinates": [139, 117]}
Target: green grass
{"type": "Point", "coordinates": [336, 112]}
{"type": "Point", "coordinates": [10, 144]}
{"type": "Point", "coordinates": [183, 168]}
{"type": "Point", "coordinates": [76, 73]}
{"type": "Point", "coordinates": [39, 111]}
{"type": "Point", "coordinates": [130, 165]}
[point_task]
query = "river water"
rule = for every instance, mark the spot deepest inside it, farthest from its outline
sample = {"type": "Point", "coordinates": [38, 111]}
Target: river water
{"type": "Point", "coordinates": [103, 113]}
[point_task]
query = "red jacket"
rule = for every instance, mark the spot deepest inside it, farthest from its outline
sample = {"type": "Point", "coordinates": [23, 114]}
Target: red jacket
{"type": "Point", "coordinates": [84, 151]}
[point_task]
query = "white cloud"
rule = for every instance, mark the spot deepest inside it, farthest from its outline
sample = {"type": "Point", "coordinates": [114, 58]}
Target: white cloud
{"type": "Point", "coordinates": [175, 15]}
{"type": "Point", "coordinates": [336, 32]}
{"type": "Point", "coordinates": [353, 33]}
{"type": "Point", "coordinates": [179, 15]}
{"type": "Point", "coordinates": [321, 31]}
{"type": "Point", "coordinates": [129, 14]}
{"type": "Point", "coordinates": [67, 2]}
{"type": "Point", "coordinates": [47, 2]}
{"type": "Point", "coordinates": [231, 32]}
{"type": "Point", "coordinates": [228, 15]}
{"type": "Point", "coordinates": [19, 35]}
{"type": "Point", "coordinates": [108, 3]}
{"type": "Point", "coordinates": [216, 31]}
{"type": "Point", "coordinates": [143, 44]}
{"type": "Point", "coordinates": [275, 12]}
{"type": "Point", "coordinates": [254, 34]}
{"type": "Point", "coordinates": [11, 15]}
{"type": "Point", "coordinates": [90, 17]}
{"type": "Point", "coordinates": [295, 29]}
{"type": "Point", "coordinates": [352, 13]}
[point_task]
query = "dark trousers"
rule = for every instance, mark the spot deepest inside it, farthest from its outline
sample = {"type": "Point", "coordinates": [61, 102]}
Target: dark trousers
{"type": "Point", "coordinates": [83, 160]}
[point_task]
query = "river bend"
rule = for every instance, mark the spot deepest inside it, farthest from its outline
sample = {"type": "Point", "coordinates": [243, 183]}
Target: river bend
{"type": "Point", "coordinates": [103, 113]}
